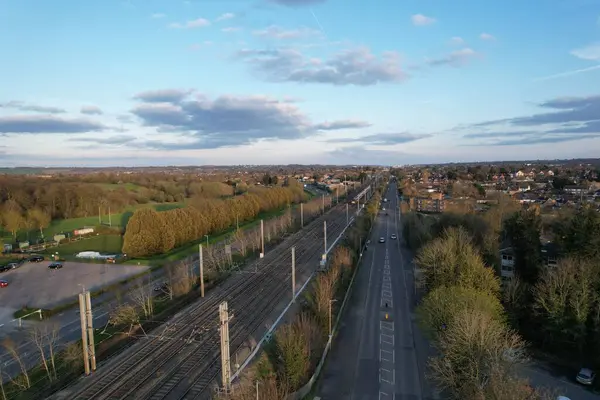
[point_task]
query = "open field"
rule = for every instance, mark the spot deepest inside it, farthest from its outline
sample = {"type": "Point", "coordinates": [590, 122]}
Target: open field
{"type": "Point", "coordinates": [114, 186]}
{"type": "Point", "coordinates": [68, 225]}
{"type": "Point", "coordinates": [35, 285]}
{"type": "Point", "coordinates": [101, 243]}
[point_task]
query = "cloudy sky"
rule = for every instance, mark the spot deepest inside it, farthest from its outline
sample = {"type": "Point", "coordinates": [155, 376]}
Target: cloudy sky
{"type": "Point", "coordinates": [173, 82]}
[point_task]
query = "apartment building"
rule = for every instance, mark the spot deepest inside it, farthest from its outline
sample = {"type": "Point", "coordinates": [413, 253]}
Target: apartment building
{"type": "Point", "coordinates": [426, 204]}
{"type": "Point", "coordinates": [549, 255]}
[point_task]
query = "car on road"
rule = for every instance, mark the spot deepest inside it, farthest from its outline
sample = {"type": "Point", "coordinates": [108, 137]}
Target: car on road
{"type": "Point", "coordinates": [13, 265]}
{"type": "Point", "coordinates": [393, 236]}
{"type": "Point", "coordinates": [585, 376]}
{"type": "Point", "coordinates": [36, 259]}
{"type": "Point", "coordinates": [55, 265]}
{"type": "Point", "coordinates": [162, 287]}
{"type": "Point", "coordinates": [381, 240]}
{"type": "Point", "coordinates": [3, 283]}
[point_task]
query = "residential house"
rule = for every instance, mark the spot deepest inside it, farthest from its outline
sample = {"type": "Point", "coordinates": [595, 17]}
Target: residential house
{"type": "Point", "coordinates": [576, 190]}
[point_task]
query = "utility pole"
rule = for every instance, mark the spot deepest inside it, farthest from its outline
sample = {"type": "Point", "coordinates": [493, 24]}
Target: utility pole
{"type": "Point", "coordinates": [325, 236]}
{"type": "Point", "coordinates": [225, 362]}
{"type": "Point", "coordinates": [323, 197]}
{"type": "Point", "coordinates": [294, 273]}
{"type": "Point", "coordinates": [302, 215]}
{"type": "Point", "coordinates": [347, 214]}
{"type": "Point", "coordinates": [90, 329]}
{"type": "Point", "coordinates": [262, 238]}
{"type": "Point", "coordinates": [201, 261]}
{"type": "Point", "coordinates": [109, 217]}
{"type": "Point", "coordinates": [257, 389]}
{"type": "Point", "coordinates": [84, 336]}
{"type": "Point", "coordinates": [99, 215]}
{"type": "Point", "coordinates": [358, 206]}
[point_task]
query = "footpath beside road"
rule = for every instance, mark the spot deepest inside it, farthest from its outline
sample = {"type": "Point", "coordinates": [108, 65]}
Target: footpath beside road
{"type": "Point", "coordinates": [374, 357]}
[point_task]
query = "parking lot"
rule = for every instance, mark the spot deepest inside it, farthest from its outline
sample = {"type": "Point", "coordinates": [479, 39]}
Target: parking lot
{"type": "Point", "coordinates": [37, 286]}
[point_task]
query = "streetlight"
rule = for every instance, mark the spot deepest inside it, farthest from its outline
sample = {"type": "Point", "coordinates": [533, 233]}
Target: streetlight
{"type": "Point", "coordinates": [206, 240]}
{"type": "Point", "coordinates": [330, 328]}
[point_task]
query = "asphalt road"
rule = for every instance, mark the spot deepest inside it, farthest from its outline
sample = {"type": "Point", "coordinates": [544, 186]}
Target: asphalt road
{"type": "Point", "coordinates": [541, 375]}
{"type": "Point", "coordinates": [375, 357]}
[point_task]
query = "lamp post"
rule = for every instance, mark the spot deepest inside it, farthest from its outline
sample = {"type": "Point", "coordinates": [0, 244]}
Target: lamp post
{"type": "Point", "coordinates": [206, 240]}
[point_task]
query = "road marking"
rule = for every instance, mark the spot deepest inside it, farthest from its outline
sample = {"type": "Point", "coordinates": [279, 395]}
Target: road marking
{"type": "Point", "coordinates": [386, 325]}
{"type": "Point", "coordinates": [386, 293]}
{"type": "Point", "coordinates": [386, 355]}
{"type": "Point", "coordinates": [387, 376]}
{"type": "Point", "coordinates": [387, 339]}
{"type": "Point", "coordinates": [383, 394]}
{"type": "Point", "coordinates": [386, 279]}
{"type": "Point", "coordinates": [386, 271]}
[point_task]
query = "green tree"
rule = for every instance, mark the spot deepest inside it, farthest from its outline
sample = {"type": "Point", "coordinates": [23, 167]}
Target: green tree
{"type": "Point", "coordinates": [452, 260]}
{"type": "Point", "coordinates": [13, 221]}
{"type": "Point", "coordinates": [581, 236]}
{"type": "Point", "coordinates": [443, 304]}
{"type": "Point", "coordinates": [147, 233]}
{"type": "Point", "coordinates": [523, 232]}
{"type": "Point", "coordinates": [40, 218]}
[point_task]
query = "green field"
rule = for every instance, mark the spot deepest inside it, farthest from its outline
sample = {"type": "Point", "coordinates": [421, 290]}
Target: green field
{"type": "Point", "coordinates": [132, 187]}
{"type": "Point", "coordinates": [68, 225]}
{"type": "Point", "coordinates": [102, 243]}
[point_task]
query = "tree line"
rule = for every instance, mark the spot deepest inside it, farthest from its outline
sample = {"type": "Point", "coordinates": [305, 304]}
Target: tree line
{"type": "Point", "coordinates": [149, 232]}
{"type": "Point", "coordinates": [463, 316]}
{"type": "Point", "coordinates": [28, 203]}
{"type": "Point", "coordinates": [554, 308]}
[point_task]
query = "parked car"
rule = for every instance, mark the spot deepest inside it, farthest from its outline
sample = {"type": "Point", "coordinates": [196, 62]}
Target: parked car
{"type": "Point", "coordinates": [4, 268]}
{"type": "Point", "coordinates": [55, 265]}
{"type": "Point", "coordinates": [394, 236]}
{"type": "Point", "coordinates": [13, 265]}
{"type": "Point", "coordinates": [3, 283]}
{"type": "Point", "coordinates": [36, 259]}
{"type": "Point", "coordinates": [585, 376]}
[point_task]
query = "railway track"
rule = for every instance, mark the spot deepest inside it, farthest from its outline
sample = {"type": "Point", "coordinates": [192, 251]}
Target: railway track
{"type": "Point", "coordinates": [184, 364]}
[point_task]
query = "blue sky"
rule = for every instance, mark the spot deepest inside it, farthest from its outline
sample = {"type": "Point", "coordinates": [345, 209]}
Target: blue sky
{"type": "Point", "coordinates": [156, 82]}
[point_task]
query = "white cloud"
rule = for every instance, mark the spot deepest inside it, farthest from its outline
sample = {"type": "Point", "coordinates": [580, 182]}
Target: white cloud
{"type": "Point", "coordinates": [225, 16]}
{"type": "Point", "coordinates": [590, 52]}
{"type": "Point", "coordinates": [231, 29]}
{"type": "Point", "coordinates": [196, 23]}
{"type": "Point", "coordinates": [276, 32]}
{"type": "Point", "coordinates": [422, 20]}
{"type": "Point", "coordinates": [457, 41]}
{"type": "Point", "coordinates": [157, 16]}
{"type": "Point", "coordinates": [486, 36]}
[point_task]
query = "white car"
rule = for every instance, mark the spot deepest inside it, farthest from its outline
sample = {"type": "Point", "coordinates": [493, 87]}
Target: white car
{"type": "Point", "coordinates": [381, 240]}
{"type": "Point", "coordinates": [585, 376]}
{"type": "Point", "coordinates": [393, 236]}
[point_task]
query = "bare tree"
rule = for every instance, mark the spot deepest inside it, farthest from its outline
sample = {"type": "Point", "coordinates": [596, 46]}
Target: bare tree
{"type": "Point", "coordinates": [475, 346]}
{"type": "Point", "coordinates": [142, 296]}
{"type": "Point", "coordinates": [182, 279]}
{"type": "Point", "coordinates": [241, 241]}
{"type": "Point", "coordinates": [2, 384]}
{"type": "Point", "coordinates": [45, 336]}
{"type": "Point", "coordinates": [125, 315]}
{"type": "Point", "coordinates": [13, 350]}
{"type": "Point", "coordinates": [73, 355]}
